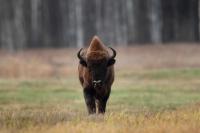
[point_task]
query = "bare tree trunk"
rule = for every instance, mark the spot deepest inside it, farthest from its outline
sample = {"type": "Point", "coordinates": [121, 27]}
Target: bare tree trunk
{"type": "Point", "coordinates": [36, 33]}
{"type": "Point", "coordinates": [156, 22]}
{"type": "Point", "coordinates": [79, 19]}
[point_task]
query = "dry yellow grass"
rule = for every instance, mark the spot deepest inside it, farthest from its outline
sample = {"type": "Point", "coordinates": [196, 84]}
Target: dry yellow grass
{"type": "Point", "coordinates": [183, 120]}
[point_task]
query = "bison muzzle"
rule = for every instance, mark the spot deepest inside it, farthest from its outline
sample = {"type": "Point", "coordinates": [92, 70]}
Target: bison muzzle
{"type": "Point", "coordinates": [96, 74]}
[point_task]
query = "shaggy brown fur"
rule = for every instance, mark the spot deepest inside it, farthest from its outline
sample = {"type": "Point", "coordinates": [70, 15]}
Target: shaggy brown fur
{"type": "Point", "coordinates": [96, 75]}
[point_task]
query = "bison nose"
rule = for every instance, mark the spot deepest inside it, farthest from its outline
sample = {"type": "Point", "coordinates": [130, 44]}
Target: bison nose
{"type": "Point", "coordinates": [97, 83]}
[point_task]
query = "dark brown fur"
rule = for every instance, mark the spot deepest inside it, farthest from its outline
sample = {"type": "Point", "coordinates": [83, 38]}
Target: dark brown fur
{"type": "Point", "coordinates": [96, 97]}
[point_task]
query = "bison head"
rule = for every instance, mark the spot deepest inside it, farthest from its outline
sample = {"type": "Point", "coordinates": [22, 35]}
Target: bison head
{"type": "Point", "coordinates": [97, 60]}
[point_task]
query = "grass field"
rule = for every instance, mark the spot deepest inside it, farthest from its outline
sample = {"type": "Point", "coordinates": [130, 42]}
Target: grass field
{"type": "Point", "coordinates": [147, 97]}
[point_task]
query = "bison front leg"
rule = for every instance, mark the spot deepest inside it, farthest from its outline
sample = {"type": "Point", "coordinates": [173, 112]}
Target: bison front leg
{"type": "Point", "coordinates": [101, 105]}
{"type": "Point", "coordinates": [90, 101]}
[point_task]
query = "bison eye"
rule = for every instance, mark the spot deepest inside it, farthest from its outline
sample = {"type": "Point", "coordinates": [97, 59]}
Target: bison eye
{"type": "Point", "coordinates": [82, 62]}
{"type": "Point", "coordinates": [111, 62]}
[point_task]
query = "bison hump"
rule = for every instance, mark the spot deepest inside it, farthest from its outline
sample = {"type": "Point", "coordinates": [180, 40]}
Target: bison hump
{"type": "Point", "coordinates": [96, 45]}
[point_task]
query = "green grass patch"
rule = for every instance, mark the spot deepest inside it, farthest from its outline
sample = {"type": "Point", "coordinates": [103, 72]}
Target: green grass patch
{"type": "Point", "coordinates": [165, 74]}
{"type": "Point", "coordinates": [153, 89]}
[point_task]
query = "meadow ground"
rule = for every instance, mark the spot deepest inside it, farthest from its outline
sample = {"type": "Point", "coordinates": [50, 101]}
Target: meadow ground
{"type": "Point", "coordinates": [157, 89]}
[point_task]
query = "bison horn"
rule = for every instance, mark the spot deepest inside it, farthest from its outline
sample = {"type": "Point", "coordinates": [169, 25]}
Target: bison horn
{"type": "Point", "coordinates": [79, 54]}
{"type": "Point", "coordinates": [114, 53]}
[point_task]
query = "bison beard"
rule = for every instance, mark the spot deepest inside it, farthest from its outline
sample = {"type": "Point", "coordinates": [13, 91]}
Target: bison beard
{"type": "Point", "coordinates": [96, 74]}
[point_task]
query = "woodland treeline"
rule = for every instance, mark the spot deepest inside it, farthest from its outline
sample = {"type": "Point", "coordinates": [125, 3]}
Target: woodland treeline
{"type": "Point", "coordinates": [72, 23]}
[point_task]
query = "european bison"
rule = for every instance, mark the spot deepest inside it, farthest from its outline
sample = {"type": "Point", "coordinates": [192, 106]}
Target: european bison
{"type": "Point", "coordinates": [96, 74]}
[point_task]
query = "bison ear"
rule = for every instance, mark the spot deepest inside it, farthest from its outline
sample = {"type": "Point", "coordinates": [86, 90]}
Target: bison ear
{"type": "Point", "coordinates": [82, 62]}
{"type": "Point", "coordinates": [111, 62]}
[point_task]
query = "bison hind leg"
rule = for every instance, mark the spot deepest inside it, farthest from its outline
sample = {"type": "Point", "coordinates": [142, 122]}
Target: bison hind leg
{"type": "Point", "coordinates": [90, 101]}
